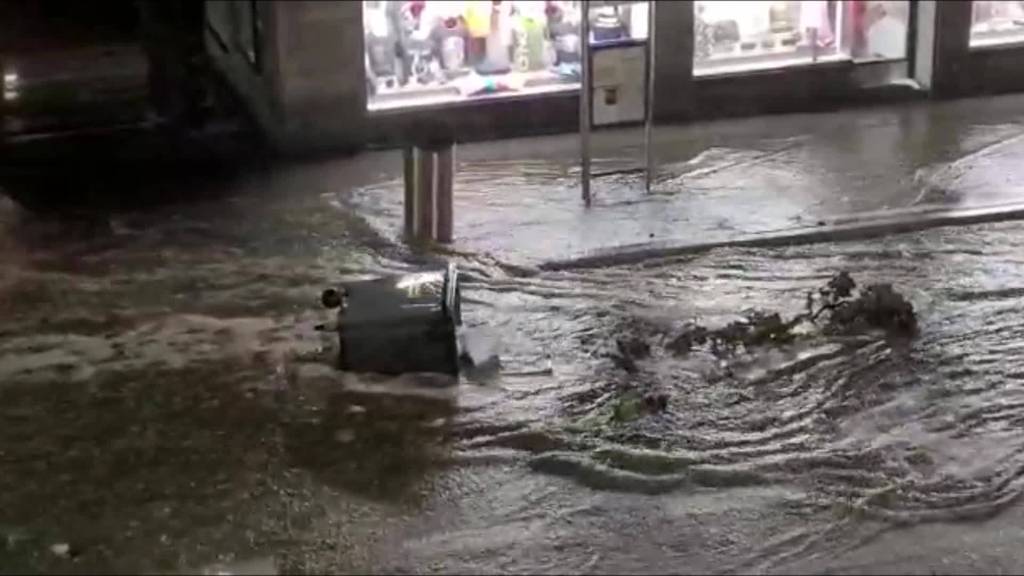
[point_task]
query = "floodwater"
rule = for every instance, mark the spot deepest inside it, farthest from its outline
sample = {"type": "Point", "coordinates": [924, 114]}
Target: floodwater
{"type": "Point", "coordinates": [167, 406]}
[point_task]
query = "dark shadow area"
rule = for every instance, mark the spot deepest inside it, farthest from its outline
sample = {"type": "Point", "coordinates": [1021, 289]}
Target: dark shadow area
{"type": "Point", "coordinates": [45, 24]}
{"type": "Point", "coordinates": [114, 106]}
{"type": "Point", "coordinates": [122, 168]}
{"type": "Point", "coordinates": [140, 468]}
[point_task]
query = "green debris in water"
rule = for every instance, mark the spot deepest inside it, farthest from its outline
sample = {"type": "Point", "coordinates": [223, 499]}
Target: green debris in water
{"type": "Point", "coordinates": [838, 307]}
{"type": "Point", "coordinates": [628, 408]}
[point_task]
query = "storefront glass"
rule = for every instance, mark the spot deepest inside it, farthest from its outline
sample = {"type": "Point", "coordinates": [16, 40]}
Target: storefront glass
{"type": "Point", "coordinates": [423, 52]}
{"type": "Point", "coordinates": [758, 34]}
{"type": "Point", "coordinates": [997, 22]}
{"type": "Point", "coordinates": [877, 29]}
{"type": "Point", "coordinates": [761, 34]}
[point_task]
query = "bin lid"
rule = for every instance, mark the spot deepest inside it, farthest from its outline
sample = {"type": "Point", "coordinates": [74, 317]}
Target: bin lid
{"type": "Point", "coordinates": [414, 297]}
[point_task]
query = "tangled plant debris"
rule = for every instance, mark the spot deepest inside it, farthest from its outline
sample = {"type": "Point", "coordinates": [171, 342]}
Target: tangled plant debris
{"type": "Point", "coordinates": [839, 307]}
{"type": "Point", "coordinates": [877, 306]}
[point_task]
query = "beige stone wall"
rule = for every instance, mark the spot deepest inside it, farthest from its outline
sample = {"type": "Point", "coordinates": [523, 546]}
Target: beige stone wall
{"type": "Point", "coordinates": [322, 75]}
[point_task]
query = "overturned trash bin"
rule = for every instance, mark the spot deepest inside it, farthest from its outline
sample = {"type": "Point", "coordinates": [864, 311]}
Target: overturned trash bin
{"type": "Point", "coordinates": [399, 324]}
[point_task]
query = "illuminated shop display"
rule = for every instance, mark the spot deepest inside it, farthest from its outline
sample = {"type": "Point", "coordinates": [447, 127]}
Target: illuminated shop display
{"type": "Point", "coordinates": [743, 35]}
{"type": "Point", "coordinates": [997, 22]}
{"type": "Point", "coordinates": [759, 34]}
{"type": "Point", "coordinates": [436, 52]}
{"type": "Point", "coordinates": [422, 52]}
{"type": "Point", "coordinates": [877, 29]}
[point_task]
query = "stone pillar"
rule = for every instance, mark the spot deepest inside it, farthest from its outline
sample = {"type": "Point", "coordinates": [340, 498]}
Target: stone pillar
{"type": "Point", "coordinates": [951, 48]}
{"type": "Point", "coordinates": [673, 61]}
{"type": "Point", "coordinates": [323, 77]}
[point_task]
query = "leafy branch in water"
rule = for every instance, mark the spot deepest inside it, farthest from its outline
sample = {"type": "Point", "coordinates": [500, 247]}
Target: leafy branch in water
{"type": "Point", "coordinates": [877, 306]}
{"type": "Point", "coordinates": [839, 303]}
{"type": "Point", "coordinates": [836, 308]}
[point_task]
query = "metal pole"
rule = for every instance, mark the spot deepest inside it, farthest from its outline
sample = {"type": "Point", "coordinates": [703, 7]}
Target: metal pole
{"type": "Point", "coordinates": [912, 20]}
{"type": "Point", "coordinates": [649, 120]}
{"type": "Point", "coordinates": [585, 91]}
{"type": "Point", "coordinates": [443, 194]}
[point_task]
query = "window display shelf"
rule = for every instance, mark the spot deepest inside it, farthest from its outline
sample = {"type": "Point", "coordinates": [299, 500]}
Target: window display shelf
{"type": "Point", "coordinates": [768, 62]}
{"type": "Point", "coordinates": [993, 36]}
{"type": "Point", "coordinates": [472, 88]}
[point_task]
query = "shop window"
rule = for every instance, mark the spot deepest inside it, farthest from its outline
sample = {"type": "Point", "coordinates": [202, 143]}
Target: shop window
{"type": "Point", "coordinates": [997, 22]}
{"type": "Point", "coordinates": [758, 34]}
{"type": "Point", "coordinates": [421, 52]}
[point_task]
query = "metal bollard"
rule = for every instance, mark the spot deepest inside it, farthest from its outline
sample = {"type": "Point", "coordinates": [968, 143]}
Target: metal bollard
{"type": "Point", "coordinates": [429, 177]}
{"type": "Point", "coordinates": [443, 196]}
{"type": "Point", "coordinates": [409, 202]}
{"type": "Point", "coordinates": [426, 187]}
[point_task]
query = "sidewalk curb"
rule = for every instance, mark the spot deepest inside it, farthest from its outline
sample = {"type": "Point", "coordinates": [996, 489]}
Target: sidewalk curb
{"type": "Point", "coordinates": [857, 230]}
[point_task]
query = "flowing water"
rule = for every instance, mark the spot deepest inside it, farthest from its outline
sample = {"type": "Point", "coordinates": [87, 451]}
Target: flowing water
{"type": "Point", "coordinates": [166, 405]}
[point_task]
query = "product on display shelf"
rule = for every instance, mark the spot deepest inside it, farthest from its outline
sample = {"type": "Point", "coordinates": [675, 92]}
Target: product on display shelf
{"type": "Point", "coordinates": [815, 21]}
{"type": "Point", "coordinates": [878, 28]}
{"type": "Point", "coordinates": [608, 25]}
{"type": "Point", "coordinates": [550, 55]}
{"type": "Point", "coordinates": [529, 44]}
{"type": "Point", "coordinates": [780, 18]}
{"type": "Point", "coordinates": [419, 44]}
{"type": "Point", "coordinates": [449, 35]}
{"type": "Point", "coordinates": [478, 18]}
{"type": "Point", "coordinates": [382, 62]}
{"type": "Point", "coordinates": [497, 57]}
{"type": "Point", "coordinates": [565, 35]}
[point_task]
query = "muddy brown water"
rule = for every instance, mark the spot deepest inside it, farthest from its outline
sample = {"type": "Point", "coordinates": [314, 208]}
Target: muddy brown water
{"type": "Point", "coordinates": [166, 406]}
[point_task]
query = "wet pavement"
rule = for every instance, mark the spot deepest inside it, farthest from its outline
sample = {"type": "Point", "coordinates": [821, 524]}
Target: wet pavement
{"type": "Point", "coordinates": [729, 180]}
{"type": "Point", "coordinates": [167, 405]}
